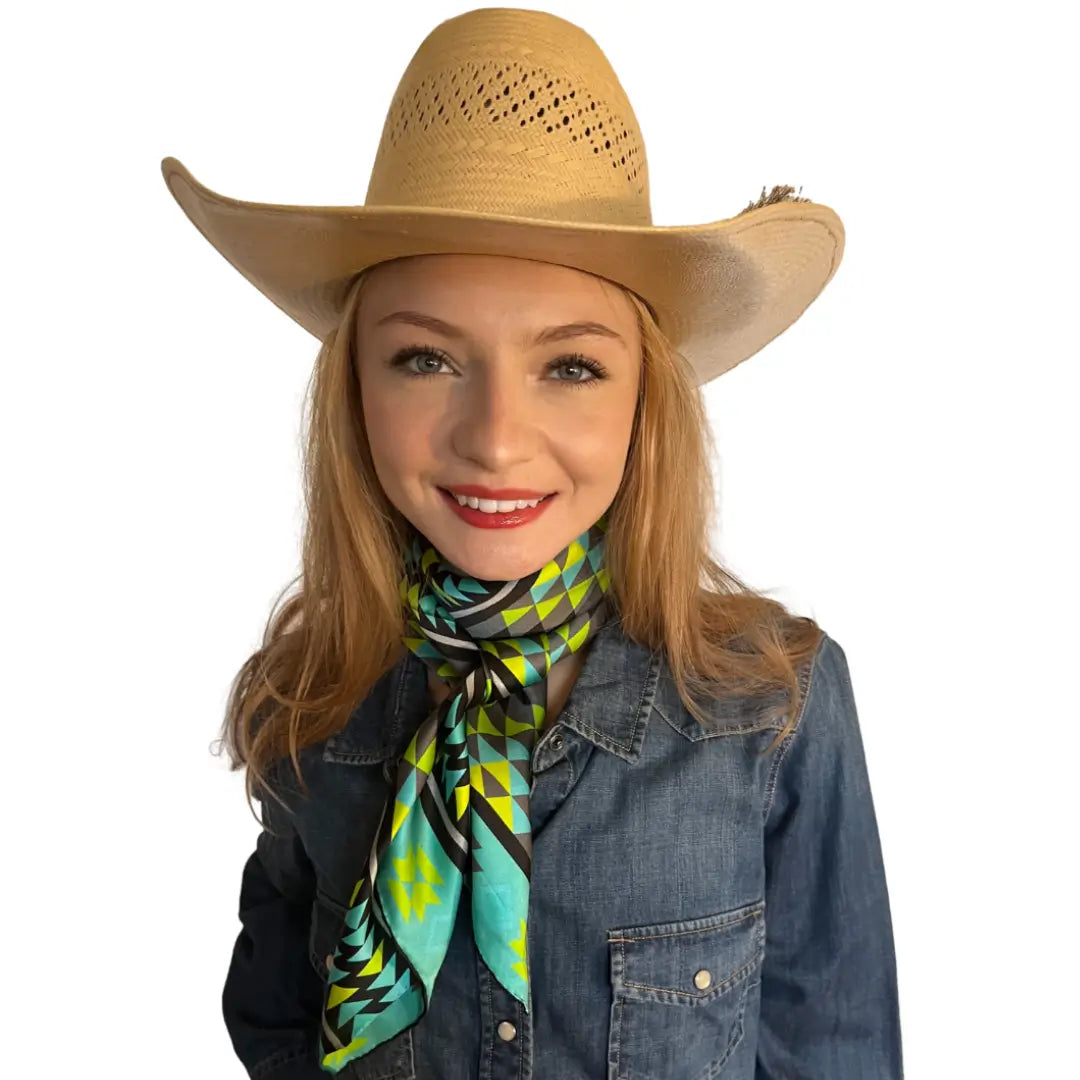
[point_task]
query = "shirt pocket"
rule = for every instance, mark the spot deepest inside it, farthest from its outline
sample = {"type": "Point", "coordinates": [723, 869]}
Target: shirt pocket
{"type": "Point", "coordinates": [392, 1060]}
{"type": "Point", "coordinates": [679, 991]}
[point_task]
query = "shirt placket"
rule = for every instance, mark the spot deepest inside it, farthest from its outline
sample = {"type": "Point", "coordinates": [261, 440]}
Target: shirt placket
{"type": "Point", "coordinates": [506, 1031]}
{"type": "Point", "coordinates": [506, 1027]}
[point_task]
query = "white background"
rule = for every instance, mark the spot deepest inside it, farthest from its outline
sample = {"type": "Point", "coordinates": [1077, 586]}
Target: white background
{"type": "Point", "coordinates": [901, 464]}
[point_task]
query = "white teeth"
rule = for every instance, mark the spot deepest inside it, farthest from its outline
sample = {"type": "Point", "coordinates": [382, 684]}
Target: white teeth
{"type": "Point", "coordinates": [489, 506]}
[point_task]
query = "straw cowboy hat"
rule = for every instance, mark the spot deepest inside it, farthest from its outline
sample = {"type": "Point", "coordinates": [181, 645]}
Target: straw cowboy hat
{"type": "Point", "coordinates": [510, 134]}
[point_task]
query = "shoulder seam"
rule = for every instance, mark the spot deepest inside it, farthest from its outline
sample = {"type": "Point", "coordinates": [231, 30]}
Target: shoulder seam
{"type": "Point", "coordinates": [781, 753]}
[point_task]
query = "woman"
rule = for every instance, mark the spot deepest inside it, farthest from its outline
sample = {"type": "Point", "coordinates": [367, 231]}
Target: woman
{"type": "Point", "coordinates": [546, 792]}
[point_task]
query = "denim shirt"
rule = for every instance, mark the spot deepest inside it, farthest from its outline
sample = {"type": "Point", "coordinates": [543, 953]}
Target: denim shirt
{"type": "Point", "coordinates": [697, 908]}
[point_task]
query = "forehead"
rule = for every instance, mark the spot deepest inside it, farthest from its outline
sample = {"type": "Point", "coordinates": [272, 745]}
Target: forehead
{"type": "Point", "coordinates": [460, 283]}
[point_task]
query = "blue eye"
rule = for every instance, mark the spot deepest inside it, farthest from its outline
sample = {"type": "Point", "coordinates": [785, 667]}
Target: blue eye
{"type": "Point", "coordinates": [598, 373]}
{"type": "Point", "coordinates": [403, 357]}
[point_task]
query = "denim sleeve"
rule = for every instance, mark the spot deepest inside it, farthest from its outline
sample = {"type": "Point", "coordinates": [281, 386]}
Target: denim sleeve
{"type": "Point", "coordinates": [829, 1002]}
{"type": "Point", "coordinates": [272, 998]}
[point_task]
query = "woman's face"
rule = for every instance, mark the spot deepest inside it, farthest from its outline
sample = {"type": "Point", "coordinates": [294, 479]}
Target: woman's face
{"type": "Point", "coordinates": [501, 400]}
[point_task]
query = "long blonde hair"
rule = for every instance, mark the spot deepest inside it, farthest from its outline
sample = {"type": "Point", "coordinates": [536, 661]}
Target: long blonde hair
{"type": "Point", "coordinates": [332, 639]}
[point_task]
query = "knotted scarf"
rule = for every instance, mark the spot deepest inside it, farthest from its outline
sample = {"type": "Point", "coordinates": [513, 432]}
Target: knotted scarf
{"type": "Point", "coordinates": [459, 811]}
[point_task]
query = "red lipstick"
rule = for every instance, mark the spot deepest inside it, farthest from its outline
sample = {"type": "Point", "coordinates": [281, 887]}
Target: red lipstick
{"type": "Point", "coordinates": [510, 520]}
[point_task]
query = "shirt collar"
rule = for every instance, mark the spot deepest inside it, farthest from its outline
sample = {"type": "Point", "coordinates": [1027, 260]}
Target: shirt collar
{"type": "Point", "coordinates": [611, 700]}
{"type": "Point", "coordinates": [609, 704]}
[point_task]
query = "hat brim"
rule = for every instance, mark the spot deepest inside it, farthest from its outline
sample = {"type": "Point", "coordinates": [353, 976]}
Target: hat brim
{"type": "Point", "coordinates": [720, 291]}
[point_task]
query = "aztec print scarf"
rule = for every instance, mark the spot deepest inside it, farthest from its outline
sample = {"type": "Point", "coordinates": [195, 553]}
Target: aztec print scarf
{"type": "Point", "coordinates": [460, 808]}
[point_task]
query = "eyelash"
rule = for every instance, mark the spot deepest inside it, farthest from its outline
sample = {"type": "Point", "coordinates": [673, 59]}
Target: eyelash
{"type": "Point", "coordinates": [598, 370]}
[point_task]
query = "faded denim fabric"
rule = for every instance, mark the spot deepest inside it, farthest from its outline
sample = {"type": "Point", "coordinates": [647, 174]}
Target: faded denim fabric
{"type": "Point", "coordinates": [697, 909]}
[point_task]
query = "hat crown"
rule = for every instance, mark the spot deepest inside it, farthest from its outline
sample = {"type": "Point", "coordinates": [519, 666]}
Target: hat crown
{"type": "Point", "coordinates": [517, 112]}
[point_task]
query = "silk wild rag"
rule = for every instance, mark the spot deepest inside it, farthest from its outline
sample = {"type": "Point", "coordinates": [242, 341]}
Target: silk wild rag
{"type": "Point", "coordinates": [459, 812]}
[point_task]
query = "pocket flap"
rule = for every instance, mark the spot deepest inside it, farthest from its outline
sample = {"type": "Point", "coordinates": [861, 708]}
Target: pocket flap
{"type": "Point", "coordinates": [689, 962]}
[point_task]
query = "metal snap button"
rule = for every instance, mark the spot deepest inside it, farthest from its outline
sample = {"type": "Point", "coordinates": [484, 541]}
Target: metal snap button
{"type": "Point", "coordinates": [506, 1031]}
{"type": "Point", "coordinates": [557, 741]}
{"type": "Point", "coordinates": [703, 979]}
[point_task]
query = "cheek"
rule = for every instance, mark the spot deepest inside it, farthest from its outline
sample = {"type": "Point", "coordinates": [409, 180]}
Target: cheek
{"type": "Point", "coordinates": [390, 452]}
{"type": "Point", "coordinates": [592, 441]}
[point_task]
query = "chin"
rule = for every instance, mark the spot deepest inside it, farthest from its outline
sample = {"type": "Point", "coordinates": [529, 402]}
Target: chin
{"type": "Point", "coordinates": [497, 554]}
{"type": "Point", "coordinates": [496, 560]}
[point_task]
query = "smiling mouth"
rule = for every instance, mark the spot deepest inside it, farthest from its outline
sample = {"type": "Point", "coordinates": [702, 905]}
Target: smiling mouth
{"type": "Point", "coordinates": [537, 502]}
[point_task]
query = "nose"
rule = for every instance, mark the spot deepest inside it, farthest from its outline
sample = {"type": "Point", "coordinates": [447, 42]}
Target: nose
{"type": "Point", "coordinates": [495, 419]}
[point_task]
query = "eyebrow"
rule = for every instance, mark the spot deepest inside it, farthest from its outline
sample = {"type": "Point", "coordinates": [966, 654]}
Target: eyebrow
{"type": "Point", "coordinates": [544, 337]}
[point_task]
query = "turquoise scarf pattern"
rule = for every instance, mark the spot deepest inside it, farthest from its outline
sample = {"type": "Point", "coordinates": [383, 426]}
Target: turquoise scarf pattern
{"type": "Point", "coordinates": [459, 812]}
